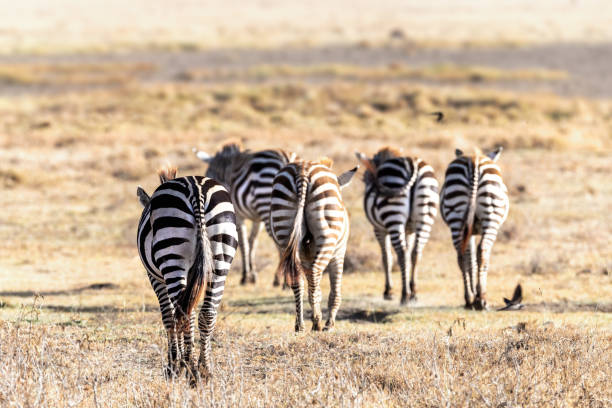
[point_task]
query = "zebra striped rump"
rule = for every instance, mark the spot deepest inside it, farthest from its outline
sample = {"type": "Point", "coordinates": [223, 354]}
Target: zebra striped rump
{"type": "Point", "coordinates": [401, 202]}
{"type": "Point", "coordinates": [187, 240]}
{"type": "Point", "coordinates": [249, 176]}
{"type": "Point", "coordinates": [474, 201]}
{"type": "Point", "coordinates": [310, 224]}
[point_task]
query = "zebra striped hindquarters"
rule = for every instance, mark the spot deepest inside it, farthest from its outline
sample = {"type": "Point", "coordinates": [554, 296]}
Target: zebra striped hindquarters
{"type": "Point", "coordinates": [187, 240]}
{"type": "Point", "coordinates": [249, 178]}
{"type": "Point", "coordinates": [401, 203]}
{"type": "Point", "coordinates": [310, 224]}
{"type": "Point", "coordinates": [474, 201]}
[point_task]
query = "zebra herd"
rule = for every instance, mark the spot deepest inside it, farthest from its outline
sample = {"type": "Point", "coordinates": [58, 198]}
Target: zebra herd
{"type": "Point", "coordinates": [191, 227]}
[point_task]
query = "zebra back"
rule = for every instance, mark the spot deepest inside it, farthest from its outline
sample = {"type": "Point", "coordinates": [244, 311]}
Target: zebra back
{"type": "Point", "coordinates": [307, 211]}
{"type": "Point", "coordinates": [473, 184]}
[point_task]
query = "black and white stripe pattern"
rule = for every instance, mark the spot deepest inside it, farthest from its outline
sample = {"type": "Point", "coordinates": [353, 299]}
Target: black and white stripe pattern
{"type": "Point", "coordinates": [401, 202]}
{"type": "Point", "coordinates": [474, 201]}
{"type": "Point", "coordinates": [249, 178]}
{"type": "Point", "coordinates": [187, 240]}
{"type": "Point", "coordinates": [310, 223]}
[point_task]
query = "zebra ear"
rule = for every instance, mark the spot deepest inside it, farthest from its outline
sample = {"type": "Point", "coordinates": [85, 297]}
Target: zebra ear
{"type": "Point", "coordinates": [205, 157]}
{"type": "Point", "coordinates": [458, 152]}
{"type": "Point", "coordinates": [360, 156]}
{"type": "Point", "coordinates": [143, 196]}
{"type": "Point", "coordinates": [494, 155]}
{"type": "Point", "coordinates": [345, 178]}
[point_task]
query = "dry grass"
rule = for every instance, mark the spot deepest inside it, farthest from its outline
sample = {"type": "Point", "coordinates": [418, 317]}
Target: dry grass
{"type": "Point", "coordinates": [357, 111]}
{"type": "Point", "coordinates": [440, 72]}
{"type": "Point", "coordinates": [61, 74]}
{"type": "Point", "coordinates": [458, 364]}
{"type": "Point", "coordinates": [69, 167]}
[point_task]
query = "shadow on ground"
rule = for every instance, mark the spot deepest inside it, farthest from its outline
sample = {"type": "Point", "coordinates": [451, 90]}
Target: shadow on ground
{"type": "Point", "coordinates": [30, 293]}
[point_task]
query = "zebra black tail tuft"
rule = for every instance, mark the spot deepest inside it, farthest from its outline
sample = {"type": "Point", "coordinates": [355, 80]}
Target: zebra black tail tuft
{"type": "Point", "coordinates": [290, 265]}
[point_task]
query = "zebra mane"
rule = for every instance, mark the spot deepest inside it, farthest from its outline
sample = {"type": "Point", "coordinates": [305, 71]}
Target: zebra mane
{"type": "Point", "coordinates": [381, 156]}
{"type": "Point", "coordinates": [384, 154]}
{"type": "Point", "coordinates": [326, 161]}
{"type": "Point", "coordinates": [230, 157]}
{"type": "Point", "coordinates": [167, 172]}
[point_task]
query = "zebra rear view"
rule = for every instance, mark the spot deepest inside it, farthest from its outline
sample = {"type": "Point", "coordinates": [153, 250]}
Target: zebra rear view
{"type": "Point", "coordinates": [187, 240]}
{"type": "Point", "coordinates": [248, 175]}
{"type": "Point", "coordinates": [310, 223]}
{"type": "Point", "coordinates": [474, 201]}
{"type": "Point", "coordinates": [401, 202]}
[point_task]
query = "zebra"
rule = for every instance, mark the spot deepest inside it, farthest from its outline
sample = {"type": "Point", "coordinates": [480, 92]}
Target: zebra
{"type": "Point", "coordinates": [309, 221]}
{"type": "Point", "coordinates": [474, 201]}
{"type": "Point", "coordinates": [401, 203]}
{"type": "Point", "coordinates": [248, 176]}
{"type": "Point", "coordinates": [187, 240]}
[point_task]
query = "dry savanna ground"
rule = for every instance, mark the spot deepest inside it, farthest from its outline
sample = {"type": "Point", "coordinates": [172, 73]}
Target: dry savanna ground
{"type": "Point", "coordinates": [79, 324]}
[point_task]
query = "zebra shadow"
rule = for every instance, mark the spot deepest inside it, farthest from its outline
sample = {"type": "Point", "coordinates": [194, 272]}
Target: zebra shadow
{"type": "Point", "coordinates": [62, 292]}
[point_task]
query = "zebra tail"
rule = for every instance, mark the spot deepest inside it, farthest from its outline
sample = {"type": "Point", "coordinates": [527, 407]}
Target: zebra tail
{"type": "Point", "coordinates": [468, 218]}
{"type": "Point", "coordinates": [199, 274]}
{"type": "Point", "coordinates": [391, 191]}
{"type": "Point", "coordinates": [290, 264]}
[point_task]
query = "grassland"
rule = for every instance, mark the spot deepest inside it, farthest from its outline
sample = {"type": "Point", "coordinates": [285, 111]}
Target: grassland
{"type": "Point", "coordinates": [79, 324]}
{"type": "Point", "coordinates": [69, 166]}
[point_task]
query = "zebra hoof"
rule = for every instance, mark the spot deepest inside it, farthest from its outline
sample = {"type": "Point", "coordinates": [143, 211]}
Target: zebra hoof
{"type": "Point", "coordinates": [253, 279]}
{"type": "Point", "coordinates": [413, 298]}
{"type": "Point", "coordinates": [243, 281]}
{"type": "Point", "coordinates": [481, 304]}
{"type": "Point", "coordinates": [404, 300]}
{"type": "Point", "coordinates": [203, 374]}
{"type": "Point", "coordinates": [170, 373]}
{"type": "Point", "coordinates": [388, 295]}
{"type": "Point", "coordinates": [316, 326]}
{"type": "Point", "coordinates": [299, 328]}
{"type": "Point", "coordinates": [469, 306]}
{"type": "Point", "coordinates": [192, 374]}
{"type": "Point", "coordinates": [329, 326]}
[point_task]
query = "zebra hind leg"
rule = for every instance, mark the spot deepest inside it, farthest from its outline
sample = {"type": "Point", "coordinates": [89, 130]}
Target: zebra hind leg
{"type": "Point", "coordinates": [484, 253]}
{"type": "Point", "coordinates": [243, 242]}
{"type": "Point", "coordinates": [398, 238]}
{"type": "Point", "coordinates": [384, 240]}
{"type": "Point", "coordinates": [171, 370]}
{"type": "Point", "coordinates": [206, 324]}
{"type": "Point", "coordinates": [187, 360]}
{"type": "Point", "coordinates": [168, 319]}
{"type": "Point", "coordinates": [314, 297]}
{"type": "Point", "coordinates": [298, 294]}
{"type": "Point", "coordinates": [335, 268]}
{"type": "Point", "coordinates": [468, 294]}
{"type": "Point", "coordinates": [255, 228]}
{"type": "Point", "coordinates": [412, 243]}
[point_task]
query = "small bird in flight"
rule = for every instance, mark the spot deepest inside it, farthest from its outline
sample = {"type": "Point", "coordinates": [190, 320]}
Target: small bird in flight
{"type": "Point", "coordinates": [439, 116]}
{"type": "Point", "coordinates": [515, 302]}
